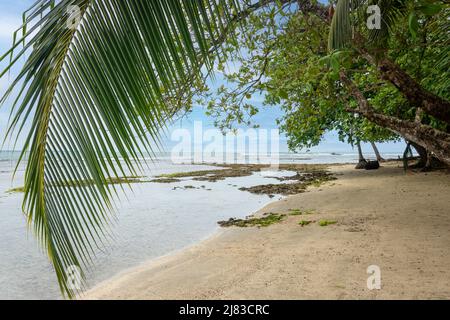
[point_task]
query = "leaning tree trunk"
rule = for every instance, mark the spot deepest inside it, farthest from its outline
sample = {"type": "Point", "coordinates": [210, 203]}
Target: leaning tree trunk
{"type": "Point", "coordinates": [423, 155]}
{"type": "Point", "coordinates": [410, 88]}
{"type": "Point", "coordinates": [377, 153]}
{"type": "Point", "coordinates": [361, 160]}
{"type": "Point", "coordinates": [433, 140]}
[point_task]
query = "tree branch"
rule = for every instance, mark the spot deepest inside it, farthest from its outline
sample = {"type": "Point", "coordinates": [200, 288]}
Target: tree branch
{"type": "Point", "coordinates": [434, 140]}
{"type": "Point", "coordinates": [410, 88]}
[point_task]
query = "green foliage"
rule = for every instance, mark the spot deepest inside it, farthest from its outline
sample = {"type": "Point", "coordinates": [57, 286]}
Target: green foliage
{"type": "Point", "coordinates": [282, 56]}
{"type": "Point", "coordinates": [264, 221]}
{"type": "Point", "coordinates": [305, 222]}
{"type": "Point", "coordinates": [324, 223]}
{"type": "Point", "coordinates": [298, 212]}
{"type": "Point", "coordinates": [413, 24]}
{"type": "Point", "coordinates": [97, 97]}
{"type": "Point", "coordinates": [16, 190]}
{"type": "Point", "coordinates": [351, 16]}
{"type": "Point", "coordinates": [244, 65]}
{"type": "Point", "coordinates": [316, 102]}
{"type": "Point", "coordinates": [286, 59]}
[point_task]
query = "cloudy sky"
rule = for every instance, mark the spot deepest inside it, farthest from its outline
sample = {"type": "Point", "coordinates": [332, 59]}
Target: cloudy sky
{"type": "Point", "coordinates": [10, 20]}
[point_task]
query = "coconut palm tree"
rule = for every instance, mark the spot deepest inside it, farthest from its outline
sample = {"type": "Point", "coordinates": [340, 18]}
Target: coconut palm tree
{"type": "Point", "coordinates": [94, 90]}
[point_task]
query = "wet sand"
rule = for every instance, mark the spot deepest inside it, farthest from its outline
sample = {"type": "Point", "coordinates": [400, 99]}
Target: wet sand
{"type": "Point", "coordinates": [399, 222]}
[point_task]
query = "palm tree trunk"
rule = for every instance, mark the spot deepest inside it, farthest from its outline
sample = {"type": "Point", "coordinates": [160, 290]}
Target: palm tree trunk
{"type": "Point", "coordinates": [377, 153]}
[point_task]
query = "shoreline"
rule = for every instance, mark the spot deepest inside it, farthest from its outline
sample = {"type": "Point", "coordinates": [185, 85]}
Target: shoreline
{"type": "Point", "coordinates": [153, 262]}
{"type": "Point", "coordinates": [288, 261]}
{"type": "Point", "coordinates": [218, 230]}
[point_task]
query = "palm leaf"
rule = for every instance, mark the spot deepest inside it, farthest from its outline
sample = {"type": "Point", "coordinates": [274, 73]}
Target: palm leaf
{"type": "Point", "coordinates": [340, 29]}
{"type": "Point", "coordinates": [94, 97]}
{"type": "Point", "coordinates": [439, 34]}
{"type": "Point", "coordinates": [350, 16]}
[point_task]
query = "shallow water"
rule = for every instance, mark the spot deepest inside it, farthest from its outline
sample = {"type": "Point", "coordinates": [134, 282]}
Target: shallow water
{"type": "Point", "coordinates": [152, 220]}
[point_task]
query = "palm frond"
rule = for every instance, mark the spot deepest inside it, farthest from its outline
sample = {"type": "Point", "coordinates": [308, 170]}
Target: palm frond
{"type": "Point", "coordinates": [340, 29]}
{"type": "Point", "coordinates": [440, 30]}
{"type": "Point", "coordinates": [94, 98]}
{"type": "Point", "coordinates": [391, 11]}
{"type": "Point", "coordinates": [351, 16]}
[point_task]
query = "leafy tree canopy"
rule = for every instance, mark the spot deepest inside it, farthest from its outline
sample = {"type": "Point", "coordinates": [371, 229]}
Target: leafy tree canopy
{"type": "Point", "coordinates": [283, 54]}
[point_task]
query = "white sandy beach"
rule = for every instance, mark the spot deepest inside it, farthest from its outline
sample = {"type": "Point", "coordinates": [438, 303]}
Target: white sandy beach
{"type": "Point", "coordinates": [398, 221]}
